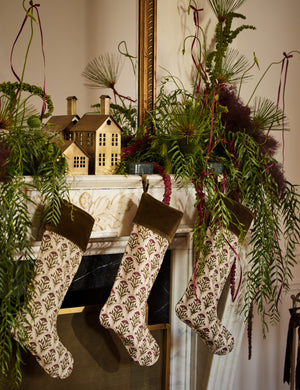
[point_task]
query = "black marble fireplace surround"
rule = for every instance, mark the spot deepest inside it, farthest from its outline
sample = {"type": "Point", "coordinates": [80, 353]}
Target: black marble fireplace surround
{"type": "Point", "coordinates": [94, 279]}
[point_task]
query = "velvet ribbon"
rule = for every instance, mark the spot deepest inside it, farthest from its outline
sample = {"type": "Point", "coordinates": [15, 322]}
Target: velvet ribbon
{"type": "Point", "coordinates": [29, 14]}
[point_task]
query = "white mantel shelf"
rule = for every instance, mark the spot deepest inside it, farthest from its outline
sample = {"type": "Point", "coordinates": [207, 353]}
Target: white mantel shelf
{"type": "Point", "coordinates": [113, 200]}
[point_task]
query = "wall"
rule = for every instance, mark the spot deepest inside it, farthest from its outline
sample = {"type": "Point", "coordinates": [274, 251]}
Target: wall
{"type": "Point", "coordinates": [74, 35]}
{"type": "Point", "coordinates": [74, 32]}
{"type": "Point", "coordinates": [277, 31]}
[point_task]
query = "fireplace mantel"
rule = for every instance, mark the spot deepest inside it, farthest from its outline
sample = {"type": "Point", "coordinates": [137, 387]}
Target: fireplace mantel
{"type": "Point", "coordinates": [113, 200]}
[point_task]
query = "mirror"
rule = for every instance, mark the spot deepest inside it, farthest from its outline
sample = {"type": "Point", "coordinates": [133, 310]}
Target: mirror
{"type": "Point", "coordinates": [74, 32]}
{"type": "Point", "coordinates": [147, 57]}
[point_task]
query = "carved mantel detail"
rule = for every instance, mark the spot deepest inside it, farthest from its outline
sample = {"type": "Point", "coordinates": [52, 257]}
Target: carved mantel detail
{"type": "Point", "coordinates": [113, 201]}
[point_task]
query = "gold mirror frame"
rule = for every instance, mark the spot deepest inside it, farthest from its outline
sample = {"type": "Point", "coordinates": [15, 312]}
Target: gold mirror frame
{"type": "Point", "coordinates": [147, 58]}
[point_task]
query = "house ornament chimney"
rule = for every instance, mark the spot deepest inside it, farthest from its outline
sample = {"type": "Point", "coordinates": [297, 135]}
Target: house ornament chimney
{"type": "Point", "coordinates": [71, 105]}
{"type": "Point", "coordinates": [104, 105]}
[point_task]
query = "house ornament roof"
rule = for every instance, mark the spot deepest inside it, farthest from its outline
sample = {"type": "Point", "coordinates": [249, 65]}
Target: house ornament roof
{"type": "Point", "coordinates": [92, 122]}
{"type": "Point", "coordinates": [67, 144]}
{"type": "Point", "coordinates": [60, 123]}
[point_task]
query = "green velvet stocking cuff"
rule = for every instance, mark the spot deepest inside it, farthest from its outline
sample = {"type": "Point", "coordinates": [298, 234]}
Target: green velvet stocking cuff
{"type": "Point", "coordinates": [75, 224]}
{"type": "Point", "coordinates": [158, 216]}
{"type": "Point", "coordinates": [241, 217]}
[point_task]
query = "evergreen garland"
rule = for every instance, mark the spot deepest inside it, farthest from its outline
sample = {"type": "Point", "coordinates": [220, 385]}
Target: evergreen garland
{"type": "Point", "coordinates": [194, 130]}
{"type": "Point", "coordinates": [25, 149]}
{"type": "Point", "coordinates": [37, 153]}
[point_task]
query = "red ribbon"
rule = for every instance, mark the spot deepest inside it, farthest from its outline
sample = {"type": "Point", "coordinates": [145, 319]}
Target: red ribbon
{"type": "Point", "coordinates": [284, 70]}
{"type": "Point", "coordinates": [30, 9]}
{"type": "Point", "coordinates": [197, 63]}
{"type": "Point", "coordinates": [285, 63]}
{"type": "Point", "coordinates": [116, 93]}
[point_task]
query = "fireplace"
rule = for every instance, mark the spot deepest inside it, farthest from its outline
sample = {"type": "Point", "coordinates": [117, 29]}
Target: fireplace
{"type": "Point", "coordinates": [99, 356]}
{"type": "Point", "coordinates": [101, 362]}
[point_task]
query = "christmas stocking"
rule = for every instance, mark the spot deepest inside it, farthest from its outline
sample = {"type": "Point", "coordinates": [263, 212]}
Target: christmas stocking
{"type": "Point", "coordinates": [198, 305]}
{"type": "Point", "coordinates": [124, 312]}
{"type": "Point", "coordinates": [59, 257]}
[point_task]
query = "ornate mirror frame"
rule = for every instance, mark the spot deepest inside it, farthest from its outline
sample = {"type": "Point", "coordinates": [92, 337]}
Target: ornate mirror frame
{"type": "Point", "coordinates": [147, 58]}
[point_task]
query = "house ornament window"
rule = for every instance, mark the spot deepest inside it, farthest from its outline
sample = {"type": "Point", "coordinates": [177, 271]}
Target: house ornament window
{"type": "Point", "coordinates": [114, 139]}
{"type": "Point", "coordinates": [102, 139]}
{"type": "Point", "coordinates": [69, 136]}
{"type": "Point", "coordinates": [101, 159]}
{"type": "Point", "coordinates": [78, 137]}
{"type": "Point", "coordinates": [90, 139]}
{"type": "Point", "coordinates": [114, 159]}
{"type": "Point", "coordinates": [79, 161]}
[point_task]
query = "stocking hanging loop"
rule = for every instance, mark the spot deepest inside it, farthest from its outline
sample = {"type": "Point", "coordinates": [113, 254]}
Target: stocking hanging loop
{"type": "Point", "coordinates": [145, 183]}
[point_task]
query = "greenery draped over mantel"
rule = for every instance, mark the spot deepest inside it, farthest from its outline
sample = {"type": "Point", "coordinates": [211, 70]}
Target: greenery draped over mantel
{"type": "Point", "coordinates": [208, 137]}
{"type": "Point", "coordinates": [25, 149]}
{"type": "Point", "coordinates": [205, 136]}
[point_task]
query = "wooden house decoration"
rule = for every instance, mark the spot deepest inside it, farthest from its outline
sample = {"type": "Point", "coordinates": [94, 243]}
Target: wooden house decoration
{"type": "Point", "coordinates": [62, 124]}
{"type": "Point", "coordinates": [77, 159]}
{"type": "Point", "coordinates": [100, 137]}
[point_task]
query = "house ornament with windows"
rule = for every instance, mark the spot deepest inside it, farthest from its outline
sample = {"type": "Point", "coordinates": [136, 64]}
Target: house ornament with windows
{"type": "Point", "coordinates": [98, 136]}
{"type": "Point", "coordinates": [77, 159]}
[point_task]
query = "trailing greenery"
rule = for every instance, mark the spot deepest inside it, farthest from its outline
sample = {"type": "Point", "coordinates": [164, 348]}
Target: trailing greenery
{"type": "Point", "coordinates": [26, 149]}
{"type": "Point", "coordinates": [195, 128]}
{"type": "Point", "coordinates": [14, 276]}
{"type": "Point", "coordinates": [32, 152]}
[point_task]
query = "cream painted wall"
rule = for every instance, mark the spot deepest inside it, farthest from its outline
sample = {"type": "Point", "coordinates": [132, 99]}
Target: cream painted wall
{"type": "Point", "coordinates": [74, 32]}
{"type": "Point", "coordinates": [173, 25]}
{"type": "Point", "coordinates": [278, 30]}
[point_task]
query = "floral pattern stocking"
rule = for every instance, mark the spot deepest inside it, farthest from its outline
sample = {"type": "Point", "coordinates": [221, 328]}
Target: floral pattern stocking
{"type": "Point", "coordinates": [58, 259]}
{"type": "Point", "coordinates": [200, 311]}
{"type": "Point", "coordinates": [125, 310]}
{"type": "Point", "coordinates": [55, 267]}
